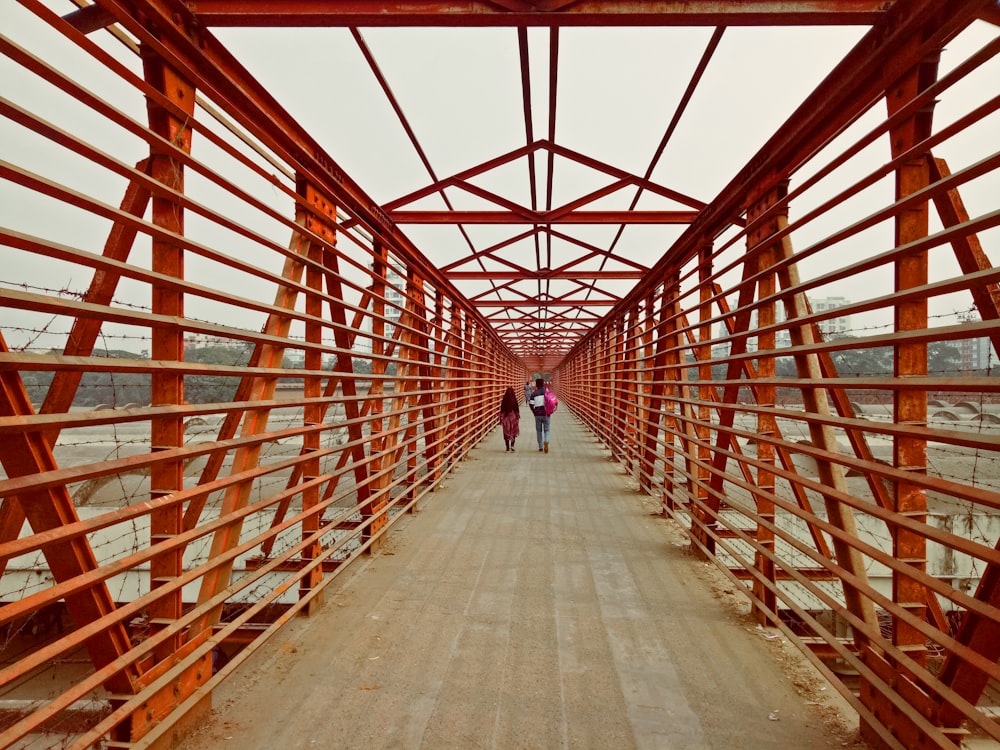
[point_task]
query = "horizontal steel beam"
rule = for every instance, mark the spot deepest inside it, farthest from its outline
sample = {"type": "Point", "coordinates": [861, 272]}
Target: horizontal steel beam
{"type": "Point", "coordinates": [541, 274]}
{"type": "Point", "coordinates": [532, 217]}
{"type": "Point", "coordinates": [545, 303]}
{"type": "Point", "coordinates": [553, 13]}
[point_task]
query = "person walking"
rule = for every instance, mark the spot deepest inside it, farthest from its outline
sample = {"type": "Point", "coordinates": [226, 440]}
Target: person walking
{"type": "Point", "coordinates": [510, 418]}
{"type": "Point", "coordinates": [542, 421]}
{"type": "Point", "coordinates": [528, 388]}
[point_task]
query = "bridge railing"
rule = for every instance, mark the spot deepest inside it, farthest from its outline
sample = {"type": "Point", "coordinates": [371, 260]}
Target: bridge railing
{"type": "Point", "coordinates": [224, 376]}
{"type": "Point", "coordinates": [808, 380]}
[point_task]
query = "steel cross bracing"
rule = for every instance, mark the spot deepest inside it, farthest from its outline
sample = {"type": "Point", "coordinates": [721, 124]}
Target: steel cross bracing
{"type": "Point", "coordinates": [263, 366]}
{"type": "Point", "coordinates": [515, 276]}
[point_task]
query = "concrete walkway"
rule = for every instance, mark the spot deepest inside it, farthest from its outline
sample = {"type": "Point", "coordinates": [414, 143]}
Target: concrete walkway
{"type": "Point", "coordinates": [536, 601]}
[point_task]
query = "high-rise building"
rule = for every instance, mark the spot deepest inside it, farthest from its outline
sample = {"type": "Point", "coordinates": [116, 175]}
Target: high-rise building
{"type": "Point", "coordinates": [832, 327]}
{"type": "Point", "coordinates": [395, 302]}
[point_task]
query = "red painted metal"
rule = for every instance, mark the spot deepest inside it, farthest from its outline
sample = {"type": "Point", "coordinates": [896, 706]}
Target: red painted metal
{"type": "Point", "coordinates": [361, 373]}
{"type": "Point", "coordinates": [167, 388]}
{"type": "Point", "coordinates": [891, 707]}
{"type": "Point", "coordinates": [591, 13]}
{"type": "Point", "coordinates": [31, 454]}
{"type": "Point", "coordinates": [543, 217]}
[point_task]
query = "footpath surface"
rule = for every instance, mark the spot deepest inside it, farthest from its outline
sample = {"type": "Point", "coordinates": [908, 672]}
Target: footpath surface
{"type": "Point", "coordinates": [537, 600]}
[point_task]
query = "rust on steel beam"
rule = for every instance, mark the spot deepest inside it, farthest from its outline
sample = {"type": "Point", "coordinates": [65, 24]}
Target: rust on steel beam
{"type": "Point", "coordinates": [292, 272]}
{"type": "Point", "coordinates": [786, 457]}
{"type": "Point", "coordinates": [707, 501]}
{"type": "Point", "coordinates": [552, 13]}
{"type": "Point", "coordinates": [632, 405]}
{"type": "Point", "coordinates": [734, 369]}
{"type": "Point", "coordinates": [910, 407]}
{"type": "Point", "coordinates": [543, 217]}
{"type": "Point", "coordinates": [167, 388]}
{"type": "Point", "coordinates": [345, 337]}
{"type": "Point", "coordinates": [762, 222]}
{"type": "Point", "coordinates": [909, 450]}
{"type": "Point", "coordinates": [652, 393]}
{"type": "Point", "coordinates": [313, 413]}
{"type": "Point", "coordinates": [434, 412]}
{"type": "Point", "coordinates": [428, 375]}
{"type": "Point", "coordinates": [369, 502]}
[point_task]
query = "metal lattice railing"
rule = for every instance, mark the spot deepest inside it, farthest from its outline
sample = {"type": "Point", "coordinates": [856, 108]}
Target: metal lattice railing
{"type": "Point", "coordinates": [204, 418]}
{"type": "Point", "coordinates": [224, 374]}
{"type": "Point", "coordinates": [814, 395]}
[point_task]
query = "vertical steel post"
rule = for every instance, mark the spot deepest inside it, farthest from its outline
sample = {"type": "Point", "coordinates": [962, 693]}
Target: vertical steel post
{"type": "Point", "coordinates": [761, 225]}
{"type": "Point", "coordinates": [322, 216]}
{"type": "Point", "coordinates": [167, 431]}
{"type": "Point", "coordinates": [667, 371]}
{"type": "Point", "coordinates": [910, 405]}
{"type": "Point", "coordinates": [707, 503]}
{"type": "Point", "coordinates": [631, 388]}
{"type": "Point", "coordinates": [649, 415]}
{"type": "Point", "coordinates": [909, 452]}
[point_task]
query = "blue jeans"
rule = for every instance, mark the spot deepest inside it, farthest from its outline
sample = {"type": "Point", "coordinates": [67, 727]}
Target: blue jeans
{"type": "Point", "coordinates": [542, 429]}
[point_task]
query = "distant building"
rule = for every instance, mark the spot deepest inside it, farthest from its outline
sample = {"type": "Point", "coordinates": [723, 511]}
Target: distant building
{"type": "Point", "coordinates": [830, 328]}
{"type": "Point", "coordinates": [395, 301]}
{"type": "Point", "coordinates": [204, 341]}
{"type": "Point", "coordinates": [978, 354]}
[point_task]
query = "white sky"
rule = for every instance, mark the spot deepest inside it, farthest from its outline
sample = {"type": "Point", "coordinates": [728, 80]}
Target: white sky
{"type": "Point", "coordinates": [617, 90]}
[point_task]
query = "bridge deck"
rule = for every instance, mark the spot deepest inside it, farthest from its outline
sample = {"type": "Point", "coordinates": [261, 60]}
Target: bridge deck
{"type": "Point", "coordinates": [536, 601]}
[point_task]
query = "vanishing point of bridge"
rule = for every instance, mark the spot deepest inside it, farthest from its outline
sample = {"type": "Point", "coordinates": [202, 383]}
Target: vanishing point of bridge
{"type": "Point", "coordinates": [232, 366]}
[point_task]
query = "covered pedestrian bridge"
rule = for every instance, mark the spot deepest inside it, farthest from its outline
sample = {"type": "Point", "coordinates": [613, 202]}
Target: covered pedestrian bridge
{"type": "Point", "coordinates": [267, 269]}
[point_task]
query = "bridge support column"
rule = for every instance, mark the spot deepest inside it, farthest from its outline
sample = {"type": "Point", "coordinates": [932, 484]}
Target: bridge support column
{"type": "Point", "coordinates": [909, 408]}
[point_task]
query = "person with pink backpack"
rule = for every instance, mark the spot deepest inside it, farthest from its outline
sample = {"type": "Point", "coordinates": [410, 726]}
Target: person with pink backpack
{"type": "Point", "coordinates": [543, 404]}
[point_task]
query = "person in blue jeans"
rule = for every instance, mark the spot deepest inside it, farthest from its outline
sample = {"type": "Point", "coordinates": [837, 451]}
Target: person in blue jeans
{"type": "Point", "coordinates": [542, 420]}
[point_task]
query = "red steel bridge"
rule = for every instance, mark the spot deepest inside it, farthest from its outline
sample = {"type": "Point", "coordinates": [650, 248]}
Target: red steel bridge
{"type": "Point", "coordinates": [235, 349]}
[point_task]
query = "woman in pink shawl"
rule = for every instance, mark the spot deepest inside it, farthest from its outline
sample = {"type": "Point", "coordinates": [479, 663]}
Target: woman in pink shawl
{"type": "Point", "coordinates": [510, 418]}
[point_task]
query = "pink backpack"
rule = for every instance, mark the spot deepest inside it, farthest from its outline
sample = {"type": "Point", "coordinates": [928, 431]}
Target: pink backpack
{"type": "Point", "coordinates": [551, 402]}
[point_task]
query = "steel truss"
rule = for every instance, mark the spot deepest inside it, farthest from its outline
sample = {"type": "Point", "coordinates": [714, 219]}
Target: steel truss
{"type": "Point", "coordinates": [753, 444]}
{"type": "Point", "coordinates": [360, 373]}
